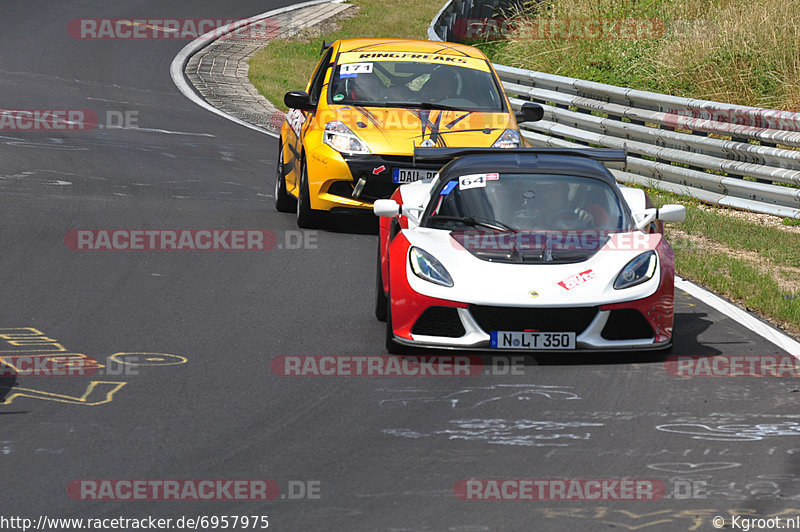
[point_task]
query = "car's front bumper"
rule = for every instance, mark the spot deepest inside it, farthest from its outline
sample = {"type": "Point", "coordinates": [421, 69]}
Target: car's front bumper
{"type": "Point", "coordinates": [594, 337]}
{"type": "Point", "coordinates": [339, 182]}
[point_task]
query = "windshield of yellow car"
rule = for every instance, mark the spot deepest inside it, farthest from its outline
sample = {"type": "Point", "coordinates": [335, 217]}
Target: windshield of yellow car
{"type": "Point", "coordinates": [405, 84]}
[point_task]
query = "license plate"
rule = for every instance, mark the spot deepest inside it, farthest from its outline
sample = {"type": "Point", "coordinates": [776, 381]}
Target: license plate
{"type": "Point", "coordinates": [409, 175]}
{"type": "Point", "coordinates": [532, 340]}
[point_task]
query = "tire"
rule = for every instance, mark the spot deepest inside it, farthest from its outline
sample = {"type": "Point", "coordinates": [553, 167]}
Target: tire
{"type": "Point", "coordinates": [391, 346]}
{"type": "Point", "coordinates": [380, 297]}
{"type": "Point", "coordinates": [283, 201]}
{"type": "Point", "coordinates": [307, 218]}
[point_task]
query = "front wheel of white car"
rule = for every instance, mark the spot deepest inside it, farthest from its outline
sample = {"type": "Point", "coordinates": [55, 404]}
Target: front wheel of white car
{"type": "Point", "coordinates": [380, 297]}
{"type": "Point", "coordinates": [391, 346]}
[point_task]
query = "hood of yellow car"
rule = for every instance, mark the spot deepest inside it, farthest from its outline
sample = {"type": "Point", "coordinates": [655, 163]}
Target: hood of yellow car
{"type": "Point", "coordinates": [395, 131]}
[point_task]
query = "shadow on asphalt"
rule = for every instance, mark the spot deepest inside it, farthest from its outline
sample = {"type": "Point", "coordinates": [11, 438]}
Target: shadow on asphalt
{"type": "Point", "coordinates": [361, 224]}
{"type": "Point", "coordinates": [8, 379]}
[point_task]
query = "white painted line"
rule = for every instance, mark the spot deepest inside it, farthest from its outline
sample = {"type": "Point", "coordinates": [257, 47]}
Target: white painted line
{"type": "Point", "coordinates": [166, 131]}
{"type": "Point", "coordinates": [180, 60]}
{"type": "Point", "coordinates": [767, 332]}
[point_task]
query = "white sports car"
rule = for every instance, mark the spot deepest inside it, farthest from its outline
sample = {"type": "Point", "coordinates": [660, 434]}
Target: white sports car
{"type": "Point", "coordinates": [524, 249]}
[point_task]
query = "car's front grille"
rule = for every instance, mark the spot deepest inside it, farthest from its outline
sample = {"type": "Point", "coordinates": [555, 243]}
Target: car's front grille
{"type": "Point", "coordinates": [574, 319]}
{"type": "Point", "coordinates": [373, 190]}
{"type": "Point", "coordinates": [627, 324]}
{"type": "Point", "coordinates": [439, 321]}
{"type": "Point", "coordinates": [341, 188]}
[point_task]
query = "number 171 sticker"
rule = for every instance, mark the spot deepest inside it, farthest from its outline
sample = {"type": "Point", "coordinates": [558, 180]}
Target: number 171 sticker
{"type": "Point", "coordinates": [353, 69]}
{"type": "Point", "coordinates": [476, 180]}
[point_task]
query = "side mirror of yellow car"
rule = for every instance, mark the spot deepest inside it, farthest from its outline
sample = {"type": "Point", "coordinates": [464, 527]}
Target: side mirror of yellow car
{"type": "Point", "coordinates": [298, 100]}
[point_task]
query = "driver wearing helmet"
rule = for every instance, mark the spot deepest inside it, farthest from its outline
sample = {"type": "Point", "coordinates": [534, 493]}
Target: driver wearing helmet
{"type": "Point", "coordinates": [367, 88]}
{"type": "Point", "coordinates": [550, 205]}
{"type": "Point", "coordinates": [441, 85]}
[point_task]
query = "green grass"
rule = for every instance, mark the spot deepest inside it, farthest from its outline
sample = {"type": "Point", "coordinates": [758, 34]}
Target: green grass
{"type": "Point", "coordinates": [793, 222]}
{"type": "Point", "coordinates": [737, 278]}
{"type": "Point", "coordinates": [780, 247]}
{"type": "Point", "coordinates": [285, 65]}
{"type": "Point", "coordinates": [741, 282]}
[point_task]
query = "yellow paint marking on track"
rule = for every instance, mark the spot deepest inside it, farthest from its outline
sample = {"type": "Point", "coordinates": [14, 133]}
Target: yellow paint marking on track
{"type": "Point", "coordinates": [636, 527]}
{"type": "Point", "coordinates": [26, 339]}
{"type": "Point", "coordinates": [68, 360]}
{"type": "Point", "coordinates": [104, 390]}
{"type": "Point", "coordinates": [147, 359]}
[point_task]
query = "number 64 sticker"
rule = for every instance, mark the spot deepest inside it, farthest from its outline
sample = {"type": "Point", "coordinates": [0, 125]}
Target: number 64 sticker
{"type": "Point", "coordinates": [476, 180]}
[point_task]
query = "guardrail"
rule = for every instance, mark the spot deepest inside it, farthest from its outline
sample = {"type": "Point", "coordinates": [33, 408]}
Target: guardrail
{"type": "Point", "coordinates": [729, 155]}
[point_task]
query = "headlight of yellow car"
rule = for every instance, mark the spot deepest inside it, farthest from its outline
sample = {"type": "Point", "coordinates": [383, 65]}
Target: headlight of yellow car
{"type": "Point", "coordinates": [339, 137]}
{"type": "Point", "coordinates": [509, 139]}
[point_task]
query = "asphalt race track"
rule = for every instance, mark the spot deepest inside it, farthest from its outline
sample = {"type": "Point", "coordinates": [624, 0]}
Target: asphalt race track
{"type": "Point", "coordinates": [190, 394]}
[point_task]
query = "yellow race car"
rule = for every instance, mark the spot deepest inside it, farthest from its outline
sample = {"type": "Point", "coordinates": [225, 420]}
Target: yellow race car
{"type": "Point", "coordinates": [349, 138]}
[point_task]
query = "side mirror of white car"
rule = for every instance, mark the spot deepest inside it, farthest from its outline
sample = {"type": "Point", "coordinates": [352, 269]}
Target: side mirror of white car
{"type": "Point", "coordinates": [667, 213]}
{"type": "Point", "coordinates": [386, 208]}
{"type": "Point", "coordinates": [390, 208]}
{"type": "Point", "coordinates": [644, 218]}
{"type": "Point", "coordinates": [672, 213]}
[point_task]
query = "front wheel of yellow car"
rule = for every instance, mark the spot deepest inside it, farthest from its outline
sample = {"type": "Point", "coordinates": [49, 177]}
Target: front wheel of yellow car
{"type": "Point", "coordinates": [307, 218]}
{"type": "Point", "coordinates": [283, 201]}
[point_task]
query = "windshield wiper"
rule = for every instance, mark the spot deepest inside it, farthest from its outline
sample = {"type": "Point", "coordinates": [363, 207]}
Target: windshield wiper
{"type": "Point", "coordinates": [469, 220]}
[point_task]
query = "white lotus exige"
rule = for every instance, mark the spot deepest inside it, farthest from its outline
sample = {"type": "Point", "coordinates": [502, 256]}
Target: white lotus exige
{"type": "Point", "coordinates": [524, 249]}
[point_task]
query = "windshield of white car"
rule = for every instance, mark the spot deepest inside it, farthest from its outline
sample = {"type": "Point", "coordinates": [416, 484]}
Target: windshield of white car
{"type": "Point", "coordinates": [415, 84]}
{"type": "Point", "coordinates": [529, 202]}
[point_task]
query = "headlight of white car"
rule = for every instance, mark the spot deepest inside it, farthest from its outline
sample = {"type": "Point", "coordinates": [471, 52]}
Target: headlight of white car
{"type": "Point", "coordinates": [637, 271]}
{"type": "Point", "coordinates": [425, 266]}
{"type": "Point", "coordinates": [509, 139]}
{"type": "Point", "coordinates": [339, 137]}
